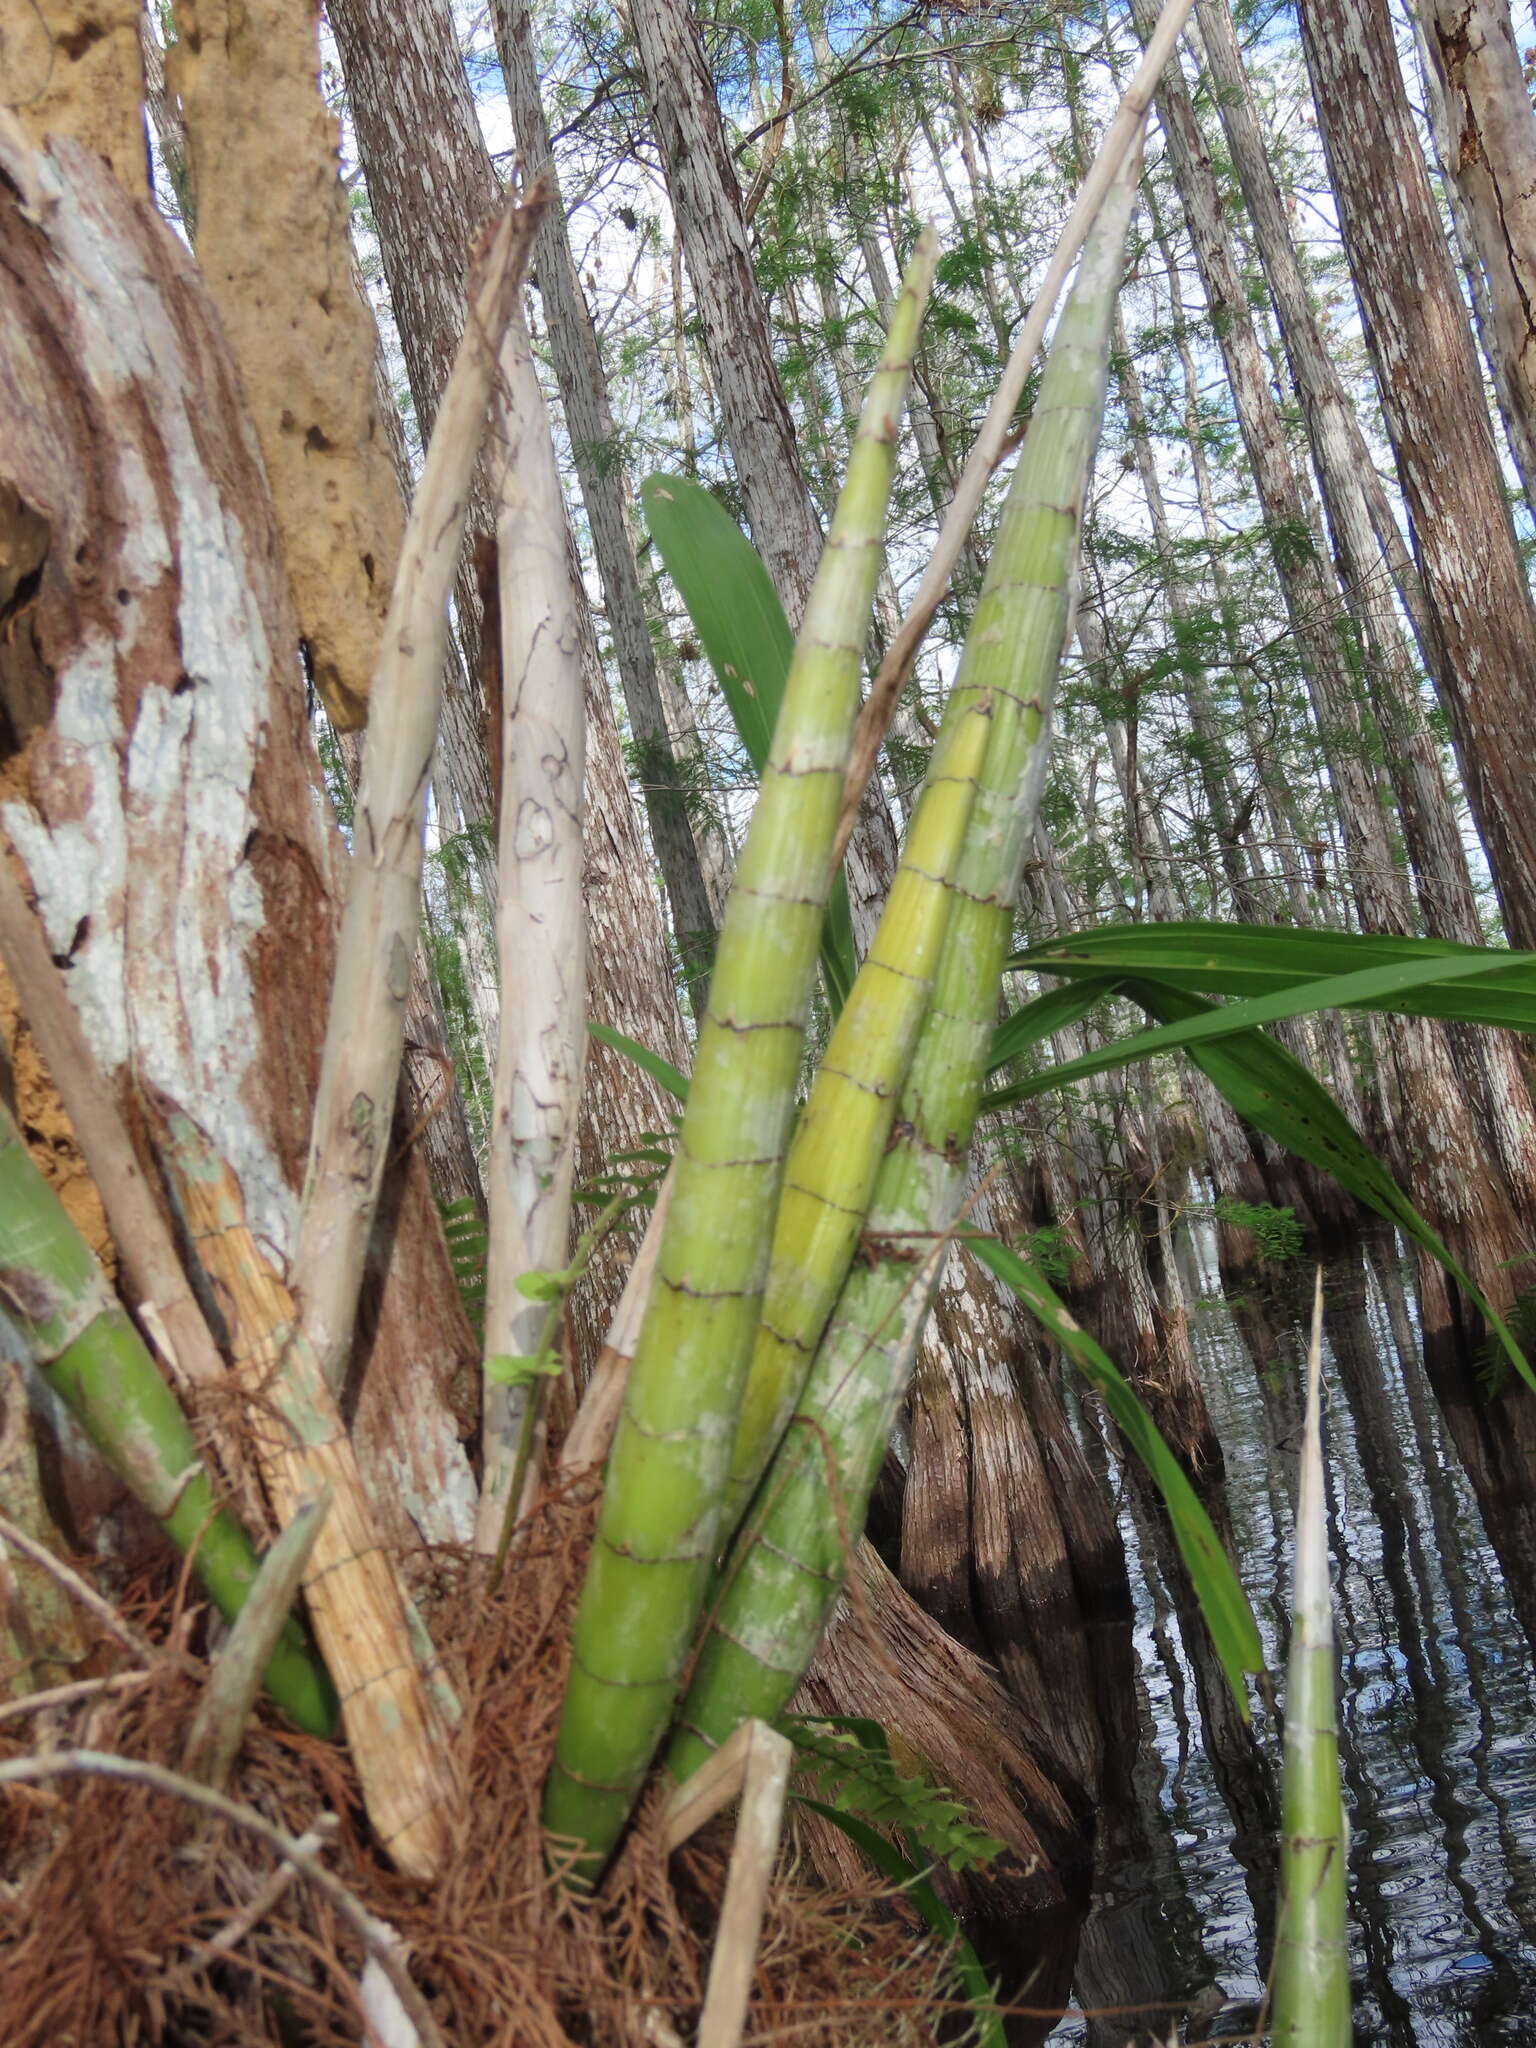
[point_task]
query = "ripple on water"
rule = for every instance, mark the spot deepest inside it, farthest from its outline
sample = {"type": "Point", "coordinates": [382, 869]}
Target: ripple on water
{"type": "Point", "coordinates": [1438, 1724]}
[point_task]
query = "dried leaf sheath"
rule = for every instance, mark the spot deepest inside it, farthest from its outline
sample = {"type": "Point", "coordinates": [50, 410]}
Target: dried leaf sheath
{"type": "Point", "coordinates": [661, 1512]}
{"type": "Point", "coordinates": [360, 1073]}
{"type": "Point", "coordinates": [356, 1601]}
{"type": "Point", "coordinates": [540, 917]}
{"type": "Point", "coordinates": [790, 1562]}
{"type": "Point", "coordinates": [80, 1338]}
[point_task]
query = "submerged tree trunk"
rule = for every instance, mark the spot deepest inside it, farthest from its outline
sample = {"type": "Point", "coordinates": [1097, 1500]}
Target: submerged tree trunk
{"type": "Point", "coordinates": [1429, 1088]}
{"type": "Point", "coordinates": [982, 1542]}
{"type": "Point", "coordinates": [885, 1658]}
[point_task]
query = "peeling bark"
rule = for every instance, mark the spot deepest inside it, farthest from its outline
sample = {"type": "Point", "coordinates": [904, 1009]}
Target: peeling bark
{"type": "Point", "coordinates": [158, 780]}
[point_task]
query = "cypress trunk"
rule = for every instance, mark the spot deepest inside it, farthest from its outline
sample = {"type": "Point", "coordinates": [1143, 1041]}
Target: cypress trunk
{"type": "Point", "coordinates": [1436, 415]}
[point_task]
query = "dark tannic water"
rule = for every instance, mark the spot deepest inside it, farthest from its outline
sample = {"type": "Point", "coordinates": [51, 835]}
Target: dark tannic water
{"type": "Point", "coordinates": [1438, 1725]}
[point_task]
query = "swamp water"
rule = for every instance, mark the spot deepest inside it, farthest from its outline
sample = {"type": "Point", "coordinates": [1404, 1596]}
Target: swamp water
{"type": "Point", "coordinates": [1438, 1712]}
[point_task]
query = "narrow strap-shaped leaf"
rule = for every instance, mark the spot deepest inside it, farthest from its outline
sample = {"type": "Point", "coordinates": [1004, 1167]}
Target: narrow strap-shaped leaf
{"type": "Point", "coordinates": [1254, 960]}
{"type": "Point", "coordinates": [731, 600]}
{"type": "Point", "coordinates": [1372, 986]}
{"type": "Point", "coordinates": [1058, 1009]}
{"type": "Point", "coordinates": [1223, 1602]}
{"type": "Point", "coordinates": [661, 1071]}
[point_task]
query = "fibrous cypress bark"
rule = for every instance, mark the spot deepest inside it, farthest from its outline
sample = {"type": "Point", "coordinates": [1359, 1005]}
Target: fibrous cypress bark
{"type": "Point", "coordinates": [1490, 152]}
{"type": "Point", "coordinates": [1437, 418]}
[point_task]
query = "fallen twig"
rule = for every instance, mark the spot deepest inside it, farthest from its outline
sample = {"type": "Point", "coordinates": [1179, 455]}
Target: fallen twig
{"type": "Point", "coordinates": [70, 1695]}
{"type": "Point", "coordinates": [256, 1908]}
{"type": "Point", "coordinates": [753, 1766]}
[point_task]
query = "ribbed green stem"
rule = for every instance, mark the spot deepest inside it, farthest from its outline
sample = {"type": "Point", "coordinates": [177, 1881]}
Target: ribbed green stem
{"type": "Point", "coordinates": [657, 1538]}
{"type": "Point", "coordinates": [1311, 1991]}
{"type": "Point", "coordinates": [842, 1134]}
{"type": "Point", "coordinates": [785, 1572]}
{"type": "Point", "coordinates": [82, 1341]}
